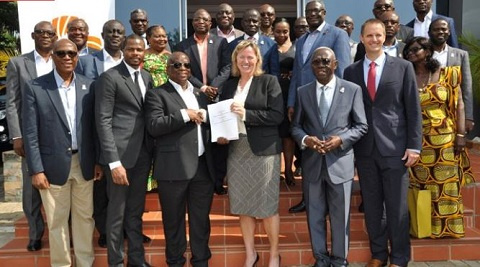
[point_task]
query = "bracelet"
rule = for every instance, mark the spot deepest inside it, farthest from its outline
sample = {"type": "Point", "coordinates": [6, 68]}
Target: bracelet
{"type": "Point", "coordinates": [460, 135]}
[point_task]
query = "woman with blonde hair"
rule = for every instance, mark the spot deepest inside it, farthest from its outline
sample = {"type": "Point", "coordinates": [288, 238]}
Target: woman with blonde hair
{"type": "Point", "coordinates": [253, 165]}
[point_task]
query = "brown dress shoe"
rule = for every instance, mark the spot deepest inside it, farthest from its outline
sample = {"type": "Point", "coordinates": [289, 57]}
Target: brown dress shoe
{"type": "Point", "coordinates": [375, 263]}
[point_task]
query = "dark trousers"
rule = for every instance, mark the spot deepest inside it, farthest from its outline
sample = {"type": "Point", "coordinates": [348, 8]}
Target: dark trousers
{"type": "Point", "coordinates": [31, 204]}
{"type": "Point", "coordinates": [125, 209]}
{"type": "Point", "coordinates": [176, 197]}
{"type": "Point", "coordinates": [220, 154]}
{"type": "Point", "coordinates": [100, 204]}
{"type": "Point", "coordinates": [384, 182]}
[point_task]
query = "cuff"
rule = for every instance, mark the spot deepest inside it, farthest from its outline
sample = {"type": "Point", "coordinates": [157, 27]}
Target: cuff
{"type": "Point", "coordinates": [185, 116]}
{"type": "Point", "coordinates": [114, 164]}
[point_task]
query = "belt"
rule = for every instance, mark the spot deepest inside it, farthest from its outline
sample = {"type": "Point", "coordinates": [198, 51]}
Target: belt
{"type": "Point", "coordinates": [74, 151]}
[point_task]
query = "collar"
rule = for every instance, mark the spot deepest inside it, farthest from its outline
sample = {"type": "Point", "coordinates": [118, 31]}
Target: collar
{"type": "Point", "coordinates": [179, 88]}
{"type": "Point", "coordinates": [320, 28]}
{"type": "Point", "coordinates": [427, 17]}
{"type": "Point", "coordinates": [395, 44]}
{"type": "Point", "coordinates": [37, 56]}
{"type": "Point", "coordinates": [60, 81]}
{"type": "Point", "coordinates": [379, 61]}
{"type": "Point", "coordinates": [107, 56]}
{"type": "Point", "coordinates": [256, 36]}
{"type": "Point", "coordinates": [201, 41]}
{"type": "Point", "coordinates": [84, 51]}
{"type": "Point", "coordinates": [331, 84]}
{"type": "Point", "coordinates": [228, 33]}
{"type": "Point", "coordinates": [130, 69]}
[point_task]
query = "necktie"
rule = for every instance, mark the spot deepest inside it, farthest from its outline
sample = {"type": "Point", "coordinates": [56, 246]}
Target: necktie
{"type": "Point", "coordinates": [137, 84]}
{"type": "Point", "coordinates": [372, 72]}
{"type": "Point", "coordinates": [323, 106]}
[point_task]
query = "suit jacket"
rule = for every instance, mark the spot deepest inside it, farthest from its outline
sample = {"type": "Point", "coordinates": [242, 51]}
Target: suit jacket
{"type": "Point", "coordinates": [91, 65]}
{"type": "Point", "coordinates": [237, 32]}
{"type": "Point", "coordinates": [394, 118]}
{"type": "Point", "coordinates": [269, 51]}
{"type": "Point", "coordinates": [48, 141]}
{"type": "Point", "coordinates": [459, 57]}
{"type": "Point", "coordinates": [404, 33]}
{"type": "Point", "coordinates": [345, 119]}
{"type": "Point", "coordinates": [330, 36]}
{"type": "Point", "coordinates": [176, 141]}
{"type": "Point", "coordinates": [20, 70]}
{"type": "Point", "coordinates": [361, 50]}
{"type": "Point", "coordinates": [264, 112]}
{"type": "Point", "coordinates": [452, 39]}
{"type": "Point", "coordinates": [218, 63]}
{"type": "Point", "coordinates": [119, 115]}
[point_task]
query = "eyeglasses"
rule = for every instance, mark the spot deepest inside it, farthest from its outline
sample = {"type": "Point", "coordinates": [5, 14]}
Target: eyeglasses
{"type": "Point", "coordinates": [344, 22]}
{"type": "Point", "coordinates": [62, 53]}
{"type": "Point", "coordinates": [301, 26]}
{"type": "Point", "coordinates": [268, 14]}
{"type": "Point", "coordinates": [178, 65]}
{"type": "Point", "coordinates": [383, 7]}
{"type": "Point", "coordinates": [414, 49]}
{"type": "Point", "coordinates": [314, 10]}
{"type": "Point", "coordinates": [139, 20]}
{"type": "Point", "coordinates": [198, 19]}
{"type": "Point", "coordinates": [42, 32]}
{"type": "Point", "coordinates": [321, 62]}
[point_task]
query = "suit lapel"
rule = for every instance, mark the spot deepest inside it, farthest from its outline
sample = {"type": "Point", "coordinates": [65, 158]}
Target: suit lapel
{"type": "Point", "coordinates": [338, 91]}
{"type": "Point", "coordinates": [176, 96]}
{"type": "Point", "coordinates": [196, 56]}
{"type": "Point", "coordinates": [312, 94]}
{"type": "Point", "coordinates": [387, 69]}
{"type": "Point", "coordinates": [317, 41]}
{"type": "Point", "coordinates": [54, 94]}
{"type": "Point", "coordinates": [130, 85]}
{"type": "Point", "coordinates": [98, 58]}
{"type": "Point", "coordinates": [361, 80]}
{"type": "Point", "coordinates": [81, 89]}
{"type": "Point", "coordinates": [30, 65]}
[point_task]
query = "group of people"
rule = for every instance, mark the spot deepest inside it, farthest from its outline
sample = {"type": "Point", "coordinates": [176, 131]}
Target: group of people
{"type": "Point", "coordinates": [92, 126]}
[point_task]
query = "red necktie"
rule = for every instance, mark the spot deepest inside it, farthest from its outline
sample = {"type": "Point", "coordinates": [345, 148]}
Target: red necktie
{"type": "Point", "coordinates": [372, 72]}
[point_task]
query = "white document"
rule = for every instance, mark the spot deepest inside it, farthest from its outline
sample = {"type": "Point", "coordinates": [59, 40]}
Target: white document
{"type": "Point", "coordinates": [223, 122]}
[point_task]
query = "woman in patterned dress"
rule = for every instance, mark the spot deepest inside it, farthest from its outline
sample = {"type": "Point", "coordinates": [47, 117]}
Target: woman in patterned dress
{"type": "Point", "coordinates": [253, 164]}
{"type": "Point", "coordinates": [156, 56]}
{"type": "Point", "coordinates": [443, 166]}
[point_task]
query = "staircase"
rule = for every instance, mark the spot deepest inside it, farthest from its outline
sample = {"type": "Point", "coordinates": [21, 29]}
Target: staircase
{"type": "Point", "coordinates": [227, 245]}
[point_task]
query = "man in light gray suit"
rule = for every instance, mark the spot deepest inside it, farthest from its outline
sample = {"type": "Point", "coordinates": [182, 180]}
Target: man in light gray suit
{"type": "Point", "coordinates": [21, 70]}
{"type": "Point", "coordinates": [125, 150]}
{"type": "Point", "coordinates": [329, 118]}
{"type": "Point", "coordinates": [321, 34]}
{"type": "Point", "coordinates": [439, 32]}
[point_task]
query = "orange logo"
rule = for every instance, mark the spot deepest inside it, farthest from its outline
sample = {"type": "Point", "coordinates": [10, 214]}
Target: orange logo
{"type": "Point", "coordinates": [60, 23]}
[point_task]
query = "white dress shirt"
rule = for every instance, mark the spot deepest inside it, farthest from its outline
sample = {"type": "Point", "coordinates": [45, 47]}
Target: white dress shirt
{"type": "Point", "coordinates": [420, 28]}
{"type": "Point", "coordinates": [191, 102]}
{"type": "Point", "coordinates": [441, 56]}
{"type": "Point", "coordinates": [109, 62]}
{"type": "Point", "coordinates": [239, 98]}
{"type": "Point", "coordinates": [132, 71]}
{"type": "Point", "coordinates": [41, 65]}
{"type": "Point", "coordinates": [380, 63]}
{"type": "Point", "coordinates": [69, 102]}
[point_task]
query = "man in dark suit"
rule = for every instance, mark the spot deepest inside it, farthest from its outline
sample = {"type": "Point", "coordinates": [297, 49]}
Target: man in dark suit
{"type": "Point", "coordinates": [439, 32]}
{"type": "Point", "coordinates": [391, 145]}
{"type": "Point", "coordinates": [120, 121]}
{"type": "Point", "coordinates": [425, 16]}
{"type": "Point", "coordinates": [176, 116]}
{"type": "Point", "coordinates": [329, 118]}
{"type": "Point", "coordinates": [77, 32]}
{"type": "Point", "coordinates": [381, 6]}
{"type": "Point", "coordinates": [60, 140]}
{"type": "Point", "coordinates": [321, 34]}
{"type": "Point", "coordinates": [224, 19]}
{"type": "Point", "coordinates": [268, 48]}
{"type": "Point", "coordinates": [93, 66]}
{"type": "Point", "coordinates": [20, 70]}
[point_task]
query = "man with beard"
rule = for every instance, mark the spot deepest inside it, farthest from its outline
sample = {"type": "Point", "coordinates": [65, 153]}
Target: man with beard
{"type": "Point", "coordinates": [77, 31]}
{"type": "Point", "coordinates": [425, 16]}
{"type": "Point", "coordinates": [439, 33]}
{"type": "Point", "coordinates": [20, 70]}
{"type": "Point", "coordinates": [225, 18]}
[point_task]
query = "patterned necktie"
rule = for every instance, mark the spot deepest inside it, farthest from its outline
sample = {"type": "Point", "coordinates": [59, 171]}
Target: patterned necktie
{"type": "Point", "coordinates": [323, 106]}
{"type": "Point", "coordinates": [372, 72]}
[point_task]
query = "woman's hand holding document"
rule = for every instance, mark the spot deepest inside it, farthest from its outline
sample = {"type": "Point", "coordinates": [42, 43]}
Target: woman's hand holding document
{"type": "Point", "coordinates": [223, 122]}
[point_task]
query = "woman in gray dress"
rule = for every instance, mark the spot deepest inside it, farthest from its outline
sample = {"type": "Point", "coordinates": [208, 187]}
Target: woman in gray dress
{"type": "Point", "coordinates": [253, 167]}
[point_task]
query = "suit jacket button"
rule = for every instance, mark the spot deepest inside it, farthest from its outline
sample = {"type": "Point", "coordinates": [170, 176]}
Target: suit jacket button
{"type": "Point", "coordinates": [69, 149]}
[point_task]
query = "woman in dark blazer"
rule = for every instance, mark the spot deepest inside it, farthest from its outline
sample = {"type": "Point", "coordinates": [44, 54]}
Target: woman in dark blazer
{"type": "Point", "coordinates": [253, 167]}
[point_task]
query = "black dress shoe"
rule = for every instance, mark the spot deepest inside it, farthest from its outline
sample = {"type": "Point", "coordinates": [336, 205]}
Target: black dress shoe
{"type": "Point", "coordinates": [145, 264]}
{"type": "Point", "coordinates": [102, 241]}
{"type": "Point", "coordinates": [220, 191]}
{"type": "Point", "coordinates": [298, 171]}
{"type": "Point", "coordinates": [300, 207]}
{"type": "Point", "coordinates": [146, 239]}
{"type": "Point", "coordinates": [34, 245]}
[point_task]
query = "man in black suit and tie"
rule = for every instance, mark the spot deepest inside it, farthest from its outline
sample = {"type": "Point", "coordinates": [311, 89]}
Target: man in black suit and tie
{"type": "Point", "coordinates": [60, 140]}
{"type": "Point", "coordinates": [20, 70]}
{"type": "Point", "coordinates": [176, 116]}
{"type": "Point", "coordinates": [329, 118]}
{"type": "Point", "coordinates": [391, 145]}
{"type": "Point", "coordinates": [120, 121]}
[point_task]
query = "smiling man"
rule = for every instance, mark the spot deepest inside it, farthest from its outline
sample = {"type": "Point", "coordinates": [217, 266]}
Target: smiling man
{"type": "Point", "coordinates": [60, 146]}
{"type": "Point", "coordinates": [267, 14]}
{"type": "Point", "coordinates": [329, 118]}
{"type": "Point", "coordinates": [125, 150]}
{"type": "Point", "coordinates": [77, 31]}
{"type": "Point", "coordinates": [225, 17]}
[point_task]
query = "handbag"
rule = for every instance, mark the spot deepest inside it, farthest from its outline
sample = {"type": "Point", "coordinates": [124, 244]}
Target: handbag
{"type": "Point", "coordinates": [420, 209]}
